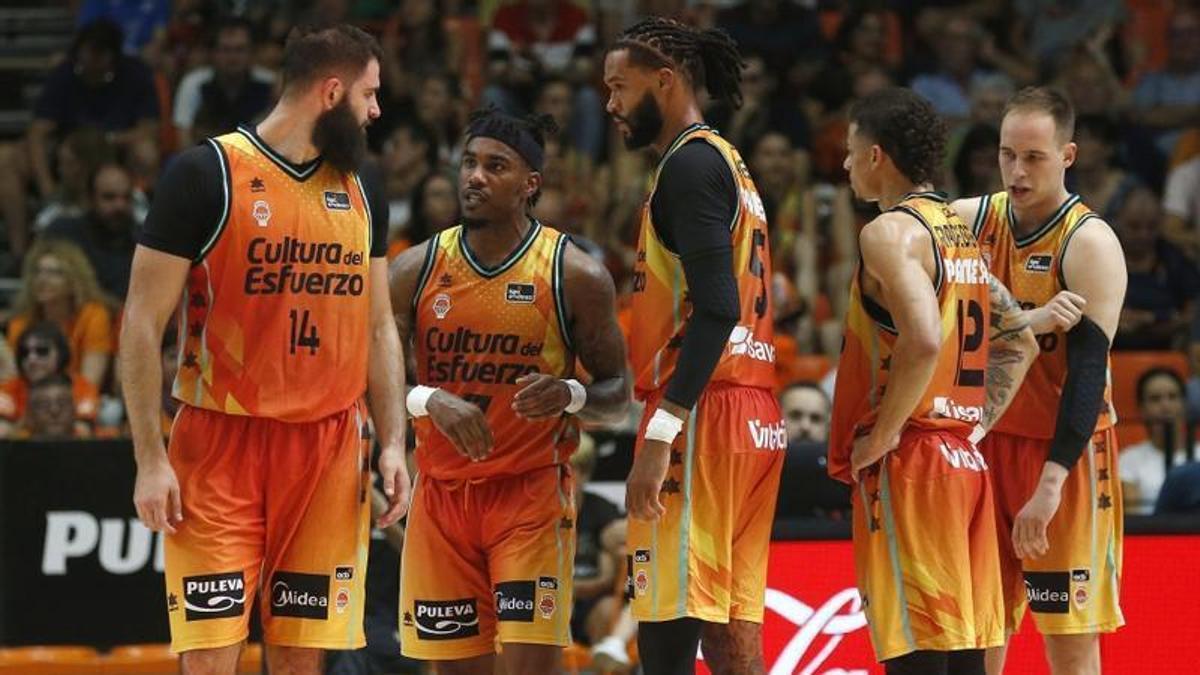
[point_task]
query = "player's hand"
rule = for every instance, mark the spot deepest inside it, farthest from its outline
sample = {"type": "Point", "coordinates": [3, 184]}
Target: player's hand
{"type": "Point", "coordinates": [542, 396]}
{"type": "Point", "coordinates": [646, 479]}
{"type": "Point", "coordinates": [1029, 528]}
{"type": "Point", "coordinates": [1060, 314]}
{"type": "Point", "coordinates": [396, 485]}
{"type": "Point", "coordinates": [462, 422]}
{"type": "Point", "coordinates": [156, 495]}
{"type": "Point", "coordinates": [863, 455]}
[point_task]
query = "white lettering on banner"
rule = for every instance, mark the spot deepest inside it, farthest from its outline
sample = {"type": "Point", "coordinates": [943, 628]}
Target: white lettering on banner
{"type": "Point", "coordinates": [78, 534]}
{"type": "Point", "coordinates": [965, 271]}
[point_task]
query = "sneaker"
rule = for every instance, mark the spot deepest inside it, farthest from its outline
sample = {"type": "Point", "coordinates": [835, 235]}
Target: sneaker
{"type": "Point", "coordinates": [609, 655]}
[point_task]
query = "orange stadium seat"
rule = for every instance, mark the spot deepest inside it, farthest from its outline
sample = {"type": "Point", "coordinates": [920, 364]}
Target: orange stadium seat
{"type": "Point", "coordinates": [57, 660]}
{"type": "Point", "coordinates": [146, 659]}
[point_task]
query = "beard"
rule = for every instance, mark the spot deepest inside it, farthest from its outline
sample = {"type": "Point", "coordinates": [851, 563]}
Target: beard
{"type": "Point", "coordinates": [645, 123]}
{"type": "Point", "coordinates": [340, 138]}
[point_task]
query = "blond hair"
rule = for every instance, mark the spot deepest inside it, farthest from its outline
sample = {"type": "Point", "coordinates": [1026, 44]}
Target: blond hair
{"type": "Point", "coordinates": [81, 277]}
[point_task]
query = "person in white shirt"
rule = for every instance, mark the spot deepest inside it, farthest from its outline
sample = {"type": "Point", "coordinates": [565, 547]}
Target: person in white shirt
{"type": "Point", "coordinates": [1143, 466]}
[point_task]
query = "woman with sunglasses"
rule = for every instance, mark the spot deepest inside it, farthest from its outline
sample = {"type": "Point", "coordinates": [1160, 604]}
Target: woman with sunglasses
{"type": "Point", "coordinates": [42, 352]}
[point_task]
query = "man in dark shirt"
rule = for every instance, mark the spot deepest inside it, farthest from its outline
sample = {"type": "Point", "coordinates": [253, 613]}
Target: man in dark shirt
{"type": "Point", "coordinates": [106, 232]}
{"type": "Point", "coordinates": [215, 100]}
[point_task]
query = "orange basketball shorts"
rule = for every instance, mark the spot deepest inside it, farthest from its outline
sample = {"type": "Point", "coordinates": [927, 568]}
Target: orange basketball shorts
{"type": "Point", "coordinates": [925, 548]}
{"type": "Point", "coordinates": [1074, 587]}
{"type": "Point", "coordinates": [485, 559]}
{"type": "Point", "coordinates": [271, 506]}
{"type": "Point", "coordinates": [706, 557]}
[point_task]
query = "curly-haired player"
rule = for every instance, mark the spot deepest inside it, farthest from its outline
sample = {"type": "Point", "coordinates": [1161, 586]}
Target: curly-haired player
{"type": "Point", "coordinates": [498, 308]}
{"type": "Point", "coordinates": [701, 493]}
{"type": "Point", "coordinates": [919, 370]}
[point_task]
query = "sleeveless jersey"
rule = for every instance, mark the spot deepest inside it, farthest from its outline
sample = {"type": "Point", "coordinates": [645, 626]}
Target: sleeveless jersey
{"type": "Point", "coordinates": [955, 397]}
{"type": "Point", "coordinates": [660, 294]}
{"type": "Point", "coordinates": [477, 331]}
{"type": "Point", "coordinates": [1031, 268]}
{"type": "Point", "coordinates": [276, 310]}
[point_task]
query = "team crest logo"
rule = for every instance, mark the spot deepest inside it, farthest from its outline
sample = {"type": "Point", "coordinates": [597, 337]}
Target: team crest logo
{"type": "Point", "coordinates": [441, 305]}
{"type": "Point", "coordinates": [343, 600]}
{"type": "Point", "coordinates": [546, 605]}
{"type": "Point", "coordinates": [641, 581]}
{"type": "Point", "coordinates": [261, 212]}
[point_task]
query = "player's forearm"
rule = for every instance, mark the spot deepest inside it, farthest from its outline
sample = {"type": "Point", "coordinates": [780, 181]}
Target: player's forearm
{"type": "Point", "coordinates": [607, 400]}
{"type": "Point", "coordinates": [385, 383]}
{"type": "Point", "coordinates": [141, 384]}
{"type": "Point", "coordinates": [913, 366]}
{"type": "Point", "coordinates": [1009, 359]}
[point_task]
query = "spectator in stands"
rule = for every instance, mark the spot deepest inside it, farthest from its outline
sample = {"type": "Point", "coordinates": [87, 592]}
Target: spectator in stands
{"type": "Point", "coordinates": [1050, 28]}
{"type": "Point", "coordinates": [439, 106]}
{"type": "Point", "coordinates": [988, 95]}
{"type": "Point", "coordinates": [1100, 182]}
{"type": "Point", "coordinates": [51, 414]}
{"type": "Point", "coordinates": [533, 39]}
{"type": "Point", "coordinates": [415, 35]}
{"type": "Point", "coordinates": [1163, 283]}
{"type": "Point", "coordinates": [434, 208]}
{"type": "Point", "coordinates": [144, 22]}
{"type": "Point", "coordinates": [105, 233]}
{"type": "Point", "coordinates": [976, 171]}
{"type": "Point", "coordinates": [1169, 99]}
{"type": "Point", "coordinates": [58, 285]}
{"type": "Point", "coordinates": [1181, 201]}
{"type": "Point", "coordinates": [42, 352]}
{"type": "Point", "coordinates": [78, 156]}
{"type": "Point", "coordinates": [1180, 491]}
{"type": "Point", "coordinates": [786, 35]}
{"type": "Point", "coordinates": [806, 410]}
{"type": "Point", "coordinates": [762, 111]}
{"type": "Point", "coordinates": [410, 153]}
{"type": "Point", "coordinates": [1091, 84]}
{"type": "Point", "coordinates": [1144, 465]}
{"type": "Point", "coordinates": [600, 540]}
{"type": "Point", "coordinates": [215, 99]}
{"type": "Point", "coordinates": [95, 87]}
{"type": "Point", "coordinates": [958, 68]}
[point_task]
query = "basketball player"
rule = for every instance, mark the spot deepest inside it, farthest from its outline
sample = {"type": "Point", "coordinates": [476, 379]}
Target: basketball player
{"type": "Point", "coordinates": [276, 248]}
{"type": "Point", "coordinates": [1054, 455]}
{"type": "Point", "coordinates": [913, 382]}
{"type": "Point", "coordinates": [498, 308]}
{"type": "Point", "coordinates": [702, 489]}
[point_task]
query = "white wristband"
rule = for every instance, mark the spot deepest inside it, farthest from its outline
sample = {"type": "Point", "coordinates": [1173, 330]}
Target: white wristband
{"type": "Point", "coordinates": [578, 396]}
{"type": "Point", "coordinates": [663, 427]}
{"type": "Point", "coordinates": [418, 398]}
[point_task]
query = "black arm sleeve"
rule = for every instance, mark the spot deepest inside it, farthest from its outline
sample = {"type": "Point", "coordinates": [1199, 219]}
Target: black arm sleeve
{"type": "Point", "coordinates": [377, 202]}
{"type": "Point", "coordinates": [1082, 394]}
{"type": "Point", "coordinates": [189, 202]}
{"type": "Point", "coordinates": [692, 210]}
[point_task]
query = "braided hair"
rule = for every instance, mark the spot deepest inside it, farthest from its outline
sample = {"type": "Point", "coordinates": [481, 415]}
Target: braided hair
{"type": "Point", "coordinates": [493, 122]}
{"type": "Point", "coordinates": [709, 57]}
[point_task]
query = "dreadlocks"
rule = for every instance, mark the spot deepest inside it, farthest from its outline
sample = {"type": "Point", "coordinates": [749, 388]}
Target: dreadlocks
{"type": "Point", "coordinates": [709, 58]}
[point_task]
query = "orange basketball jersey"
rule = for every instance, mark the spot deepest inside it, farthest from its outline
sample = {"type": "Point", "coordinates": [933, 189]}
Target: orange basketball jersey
{"type": "Point", "coordinates": [478, 331]}
{"type": "Point", "coordinates": [275, 311]}
{"type": "Point", "coordinates": [1031, 268]}
{"type": "Point", "coordinates": [954, 399]}
{"type": "Point", "coordinates": [660, 303]}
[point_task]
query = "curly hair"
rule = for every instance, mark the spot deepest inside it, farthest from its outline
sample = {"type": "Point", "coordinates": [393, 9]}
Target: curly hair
{"type": "Point", "coordinates": [908, 129]}
{"type": "Point", "coordinates": [709, 58]}
{"type": "Point", "coordinates": [81, 278]}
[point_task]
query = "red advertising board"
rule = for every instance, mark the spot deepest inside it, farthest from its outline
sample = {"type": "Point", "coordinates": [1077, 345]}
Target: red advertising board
{"type": "Point", "coordinates": [814, 623]}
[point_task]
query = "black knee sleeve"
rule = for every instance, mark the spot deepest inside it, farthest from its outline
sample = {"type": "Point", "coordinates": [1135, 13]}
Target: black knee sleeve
{"type": "Point", "coordinates": [669, 647]}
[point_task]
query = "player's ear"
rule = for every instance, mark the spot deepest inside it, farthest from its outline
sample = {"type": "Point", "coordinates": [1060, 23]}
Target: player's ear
{"type": "Point", "coordinates": [1068, 152]}
{"type": "Point", "coordinates": [533, 184]}
{"type": "Point", "coordinates": [666, 77]}
{"type": "Point", "coordinates": [331, 92]}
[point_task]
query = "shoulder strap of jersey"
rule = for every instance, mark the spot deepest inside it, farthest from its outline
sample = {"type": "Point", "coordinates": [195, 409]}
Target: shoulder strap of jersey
{"type": "Point", "coordinates": [227, 192]}
{"type": "Point", "coordinates": [911, 207]}
{"type": "Point", "coordinates": [1062, 247]}
{"type": "Point", "coordinates": [557, 275]}
{"type": "Point", "coordinates": [431, 254]}
{"type": "Point", "coordinates": [981, 215]}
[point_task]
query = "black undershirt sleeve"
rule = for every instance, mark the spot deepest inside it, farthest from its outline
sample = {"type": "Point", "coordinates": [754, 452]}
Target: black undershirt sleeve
{"type": "Point", "coordinates": [1082, 393]}
{"type": "Point", "coordinates": [692, 210]}
{"type": "Point", "coordinates": [189, 202]}
{"type": "Point", "coordinates": [377, 202]}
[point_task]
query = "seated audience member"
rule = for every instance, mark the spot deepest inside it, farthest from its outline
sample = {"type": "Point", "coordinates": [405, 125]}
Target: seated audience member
{"type": "Point", "coordinates": [434, 208]}
{"type": "Point", "coordinates": [105, 233]}
{"type": "Point", "coordinates": [600, 532]}
{"type": "Point", "coordinates": [1180, 491]}
{"type": "Point", "coordinates": [51, 414]}
{"type": "Point", "coordinates": [1163, 283]}
{"type": "Point", "coordinates": [1144, 466]}
{"type": "Point", "coordinates": [409, 155]}
{"type": "Point", "coordinates": [59, 285]}
{"type": "Point", "coordinates": [42, 352]}
{"type": "Point", "coordinates": [806, 411]}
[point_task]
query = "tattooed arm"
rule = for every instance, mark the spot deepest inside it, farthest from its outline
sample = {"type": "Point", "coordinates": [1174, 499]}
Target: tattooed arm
{"type": "Point", "coordinates": [1011, 350]}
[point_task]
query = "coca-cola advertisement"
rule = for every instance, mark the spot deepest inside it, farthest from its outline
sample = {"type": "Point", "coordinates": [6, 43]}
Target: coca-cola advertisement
{"type": "Point", "coordinates": [814, 623]}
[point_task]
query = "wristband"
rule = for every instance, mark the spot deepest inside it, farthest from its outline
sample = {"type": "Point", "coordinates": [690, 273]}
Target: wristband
{"type": "Point", "coordinates": [417, 399]}
{"type": "Point", "coordinates": [977, 434]}
{"type": "Point", "coordinates": [663, 427]}
{"type": "Point", "coordinates": [578, 396]}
